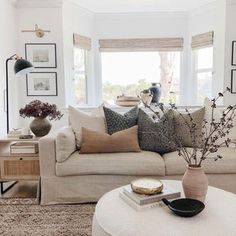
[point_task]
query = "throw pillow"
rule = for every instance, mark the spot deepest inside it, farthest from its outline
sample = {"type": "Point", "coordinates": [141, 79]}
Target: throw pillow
{"type": "Point", "coordinates": [217, 116]}
{"type": "Point", "coordinates": [182, 130]}
{"type": "Point", "coordinates": [117, 122]}
{"type": "Point", "coordinates": [65, 143]}
{"type": "Point", "coordinates": [122, 141]}
{"type": "Point", "coordinates": [79, 119]}
{"type": "Point", "coordinates": [156, 136]}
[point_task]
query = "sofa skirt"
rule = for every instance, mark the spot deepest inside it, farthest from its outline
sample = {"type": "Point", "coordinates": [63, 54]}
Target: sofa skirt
{"type": "Point", "coordinates": [89, 188]}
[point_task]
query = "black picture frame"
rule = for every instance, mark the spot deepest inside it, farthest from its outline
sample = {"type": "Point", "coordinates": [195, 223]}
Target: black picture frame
{"type": "Point", "coordinates": [233, 57]}
{"type": "Point", "coordinates": [41, 92]}
{"type": "Point", "coordinates": [52, 54]}
{"type": "Point", "coordinates": [233, 81]}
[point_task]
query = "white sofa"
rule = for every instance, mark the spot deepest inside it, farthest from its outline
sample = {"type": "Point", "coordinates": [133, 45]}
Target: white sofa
{"type": "Point", "coordinates": [86, 177]}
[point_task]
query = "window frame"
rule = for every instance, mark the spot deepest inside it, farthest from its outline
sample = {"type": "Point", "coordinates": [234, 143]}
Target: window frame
{"type": "Point", "coordinates": [197, 71]}
{"type": "Point", "coordinates": [80, 72]}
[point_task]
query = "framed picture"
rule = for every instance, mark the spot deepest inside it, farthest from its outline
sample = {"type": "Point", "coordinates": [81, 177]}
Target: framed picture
{"type": "Point", "coordinates": [233, 81]}
{"type": "Point", "coordinates": [233, 59]}
{"type": "Point", "coordinates": [41, 84]}
{"type": "Point", "coordinates": [42, 55]}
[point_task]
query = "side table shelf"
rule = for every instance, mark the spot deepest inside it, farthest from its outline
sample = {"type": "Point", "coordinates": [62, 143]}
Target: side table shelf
{"type": "Point", "coordinates": [17, 167]}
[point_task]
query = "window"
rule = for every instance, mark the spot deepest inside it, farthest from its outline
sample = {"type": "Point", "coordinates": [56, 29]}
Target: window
{"type": "Point", "coordinates": [131, 72]}
{"type": "Point", "coordinates": [80, 75]}
{"type": "Point", "coordinates": [203, 70]}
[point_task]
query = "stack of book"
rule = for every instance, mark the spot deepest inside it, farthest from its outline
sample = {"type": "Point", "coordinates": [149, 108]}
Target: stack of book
{"type": "Point", "coordinates": [141, 202]}
{"type": "Point", "coordinates": [24, 148]}
{"type": "Point", "coordinates": [14, 133]}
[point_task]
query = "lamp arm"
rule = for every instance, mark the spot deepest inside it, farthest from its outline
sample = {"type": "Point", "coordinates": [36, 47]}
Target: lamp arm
{"type": "Point", "coordinates": [14, 56]}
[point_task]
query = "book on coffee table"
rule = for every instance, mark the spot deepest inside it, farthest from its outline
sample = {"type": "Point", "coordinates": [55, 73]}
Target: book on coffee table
{"type": "Point", "coordinates": [142, 199]}
{"type": "Point", "coordinates": [137, 207]}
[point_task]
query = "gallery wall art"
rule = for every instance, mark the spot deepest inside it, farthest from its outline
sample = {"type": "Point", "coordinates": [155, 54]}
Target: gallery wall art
{"type": "Point", "coordinates": [41, 84]}
{"type": "Point", "coordinates": [42, 55]}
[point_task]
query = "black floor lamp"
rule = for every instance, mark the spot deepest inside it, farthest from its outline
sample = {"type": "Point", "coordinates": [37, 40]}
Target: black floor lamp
{"type": "Point", "coordinates": [21, 68]}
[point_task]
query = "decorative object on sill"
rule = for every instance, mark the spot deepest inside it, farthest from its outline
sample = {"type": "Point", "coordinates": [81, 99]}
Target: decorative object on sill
{"type": "Point", "coordinates": [233, 80]}
{"type": "Point", "coordinates": [40, 126]}
{"type": "Point", "coordinates": [147, 186]}
{"type": "Point", "coordinates": [38, 32]}
{"type": "Point", "coordinates": [43, 55]}
{"type": "Point", "coordinates": [233, 59]}
{"type": "Point", "coordinates": [146, 96]}
{"type": "Point", "coordinates": [213, 130]}
{"type": "Point", "coordinates": [41, 84]}
{"type": "Point", "coordinates": [156, 92]}
{"type": "Point", "coordinates": [127, 101]}
{"type": "Point", "coordinates": [21, 68]}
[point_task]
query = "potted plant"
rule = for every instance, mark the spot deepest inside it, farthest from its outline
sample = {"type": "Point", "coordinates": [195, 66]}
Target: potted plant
{"type": "Point", "coordinates": [195, 183]}
{"type": "Point", "coordinates": [40, 126]}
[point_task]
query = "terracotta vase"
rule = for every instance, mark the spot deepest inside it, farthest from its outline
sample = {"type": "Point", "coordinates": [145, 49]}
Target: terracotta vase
{"type": "Point", "coordinates": [40, 126]}
{"type": "Point", "coordinates": [195, 183]}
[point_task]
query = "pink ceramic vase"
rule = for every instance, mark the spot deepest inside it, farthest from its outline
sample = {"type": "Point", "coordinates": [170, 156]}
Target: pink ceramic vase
{"type": "Point", "coordinates": [195, 183]}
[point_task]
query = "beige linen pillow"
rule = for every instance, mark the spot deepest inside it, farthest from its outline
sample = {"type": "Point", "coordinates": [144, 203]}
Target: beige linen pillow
{"type": "Point", "coordinates": [182, 129]}
{"type": "Point", "coordinates": [65, 143]}
{"type": "Point", "coordinates": [79, 119]}
{"type": "Point", "coordinates": [122, 141]}
{"type": "Point", "coordinates": [217, 115]}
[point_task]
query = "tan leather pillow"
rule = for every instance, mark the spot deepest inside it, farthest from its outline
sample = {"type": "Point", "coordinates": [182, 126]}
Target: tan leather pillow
{"type": "Point", "coordinates": [122, 141]}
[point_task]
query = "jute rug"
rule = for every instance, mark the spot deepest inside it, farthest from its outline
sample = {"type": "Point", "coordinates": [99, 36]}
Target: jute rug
{"type": "Point", "coordinates": [23, 217]}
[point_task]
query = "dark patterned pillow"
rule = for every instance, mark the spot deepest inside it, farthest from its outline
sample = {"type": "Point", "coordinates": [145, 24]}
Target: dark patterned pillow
{"type": "Point", "coordinates": [117, 122]}
{"type": "Point", "coordinates": [156, 136]}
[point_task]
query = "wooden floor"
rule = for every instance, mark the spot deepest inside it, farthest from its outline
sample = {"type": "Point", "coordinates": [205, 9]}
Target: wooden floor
{"type": "Point", "coordinates": [22, 189]}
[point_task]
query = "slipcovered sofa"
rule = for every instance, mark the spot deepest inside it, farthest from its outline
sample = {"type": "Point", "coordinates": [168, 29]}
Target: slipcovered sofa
{"type": "Point", "coordinates": [85, 178]}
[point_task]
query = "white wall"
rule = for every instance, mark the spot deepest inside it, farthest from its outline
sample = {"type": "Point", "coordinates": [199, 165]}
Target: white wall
{"type": "Point", "coordinates": [7, 49]}
{"type": "Point", "coordinates": [230, 35]}
{"type": "Point", "coordinates": [140, 25]}
{"type": "Point", "coordinates": [49, 18]}
{"type": "Point", "coordinates": [210, 18]}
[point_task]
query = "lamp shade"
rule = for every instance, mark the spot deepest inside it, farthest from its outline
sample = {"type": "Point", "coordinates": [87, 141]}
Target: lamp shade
{"type": "Point", "coordinates": [22, 67]}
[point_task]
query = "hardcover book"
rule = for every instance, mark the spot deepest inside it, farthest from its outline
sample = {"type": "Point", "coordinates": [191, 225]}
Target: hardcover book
{"type": "Point", "coordinates": [141, 199]}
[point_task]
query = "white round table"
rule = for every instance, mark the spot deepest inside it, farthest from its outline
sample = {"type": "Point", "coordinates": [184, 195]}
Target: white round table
{"type": "Point", "coordinates": [115, 217]}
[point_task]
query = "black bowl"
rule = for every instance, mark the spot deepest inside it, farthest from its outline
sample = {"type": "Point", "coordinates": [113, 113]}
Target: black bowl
{"type": "Point", "coordinates": [185, 207]}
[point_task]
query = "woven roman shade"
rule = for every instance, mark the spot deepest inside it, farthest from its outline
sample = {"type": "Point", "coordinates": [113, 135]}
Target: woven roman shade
{"type": "Point", "coordinates": [82, 42]}
{"type": "Point", "coordinates": [151, 44]}
{"type": "Point", "coordinates": [203, 40]}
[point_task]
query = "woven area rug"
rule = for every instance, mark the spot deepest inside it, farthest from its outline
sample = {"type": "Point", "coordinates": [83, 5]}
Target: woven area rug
{"type": "Point", "coordinates": [23, 217]}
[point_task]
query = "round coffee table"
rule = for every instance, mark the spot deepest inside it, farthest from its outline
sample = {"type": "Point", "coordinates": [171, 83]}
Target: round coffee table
{"type": "Point", "coordinates": [113, 216]}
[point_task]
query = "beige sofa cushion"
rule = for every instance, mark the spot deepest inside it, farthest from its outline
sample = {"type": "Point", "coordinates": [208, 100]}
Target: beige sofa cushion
{"type": "Point", "coordinates": [79, 119]}
{"type": "Point", "coordinates": [182, 123]}
{"type": "Point", "coordinates": [175, 165]}
{"type": "Point", "coordinates": [65, 143]}
{"type": "Point", "coordinates": [141, 163]}
{"type": "Point", "coordinates": [217, 116]}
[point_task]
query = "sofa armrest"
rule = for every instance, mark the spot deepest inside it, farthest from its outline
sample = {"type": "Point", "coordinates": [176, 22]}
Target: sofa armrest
{"type": "Point", "coordinates": [65, 143]}
{"type": "Point", "coordinates": [47, 155]}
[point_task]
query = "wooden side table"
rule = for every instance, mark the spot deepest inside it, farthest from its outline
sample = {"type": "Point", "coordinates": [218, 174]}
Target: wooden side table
{"type": "Point", "coordinates": [17, 167]}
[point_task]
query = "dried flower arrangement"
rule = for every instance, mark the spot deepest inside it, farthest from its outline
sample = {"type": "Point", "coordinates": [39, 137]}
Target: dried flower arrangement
{"type": "Point", "coordinates": [211, 132]}
{"type": "Point", "coordinates": [40, 109]}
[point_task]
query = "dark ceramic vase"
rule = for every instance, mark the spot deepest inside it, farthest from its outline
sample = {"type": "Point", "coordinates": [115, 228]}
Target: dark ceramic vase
{"type": "Point", "coordinates": [156, 92]}
{"type": "Point", "coordinates": [40, 126]}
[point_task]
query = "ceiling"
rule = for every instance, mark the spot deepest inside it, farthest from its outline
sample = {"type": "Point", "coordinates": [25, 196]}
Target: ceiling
{"type": "Point", "coordinates": [124, 6]}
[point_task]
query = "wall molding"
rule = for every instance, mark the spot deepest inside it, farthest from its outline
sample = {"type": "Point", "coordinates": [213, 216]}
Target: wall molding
{"type": "Point", "coordinates": [39, 4]}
